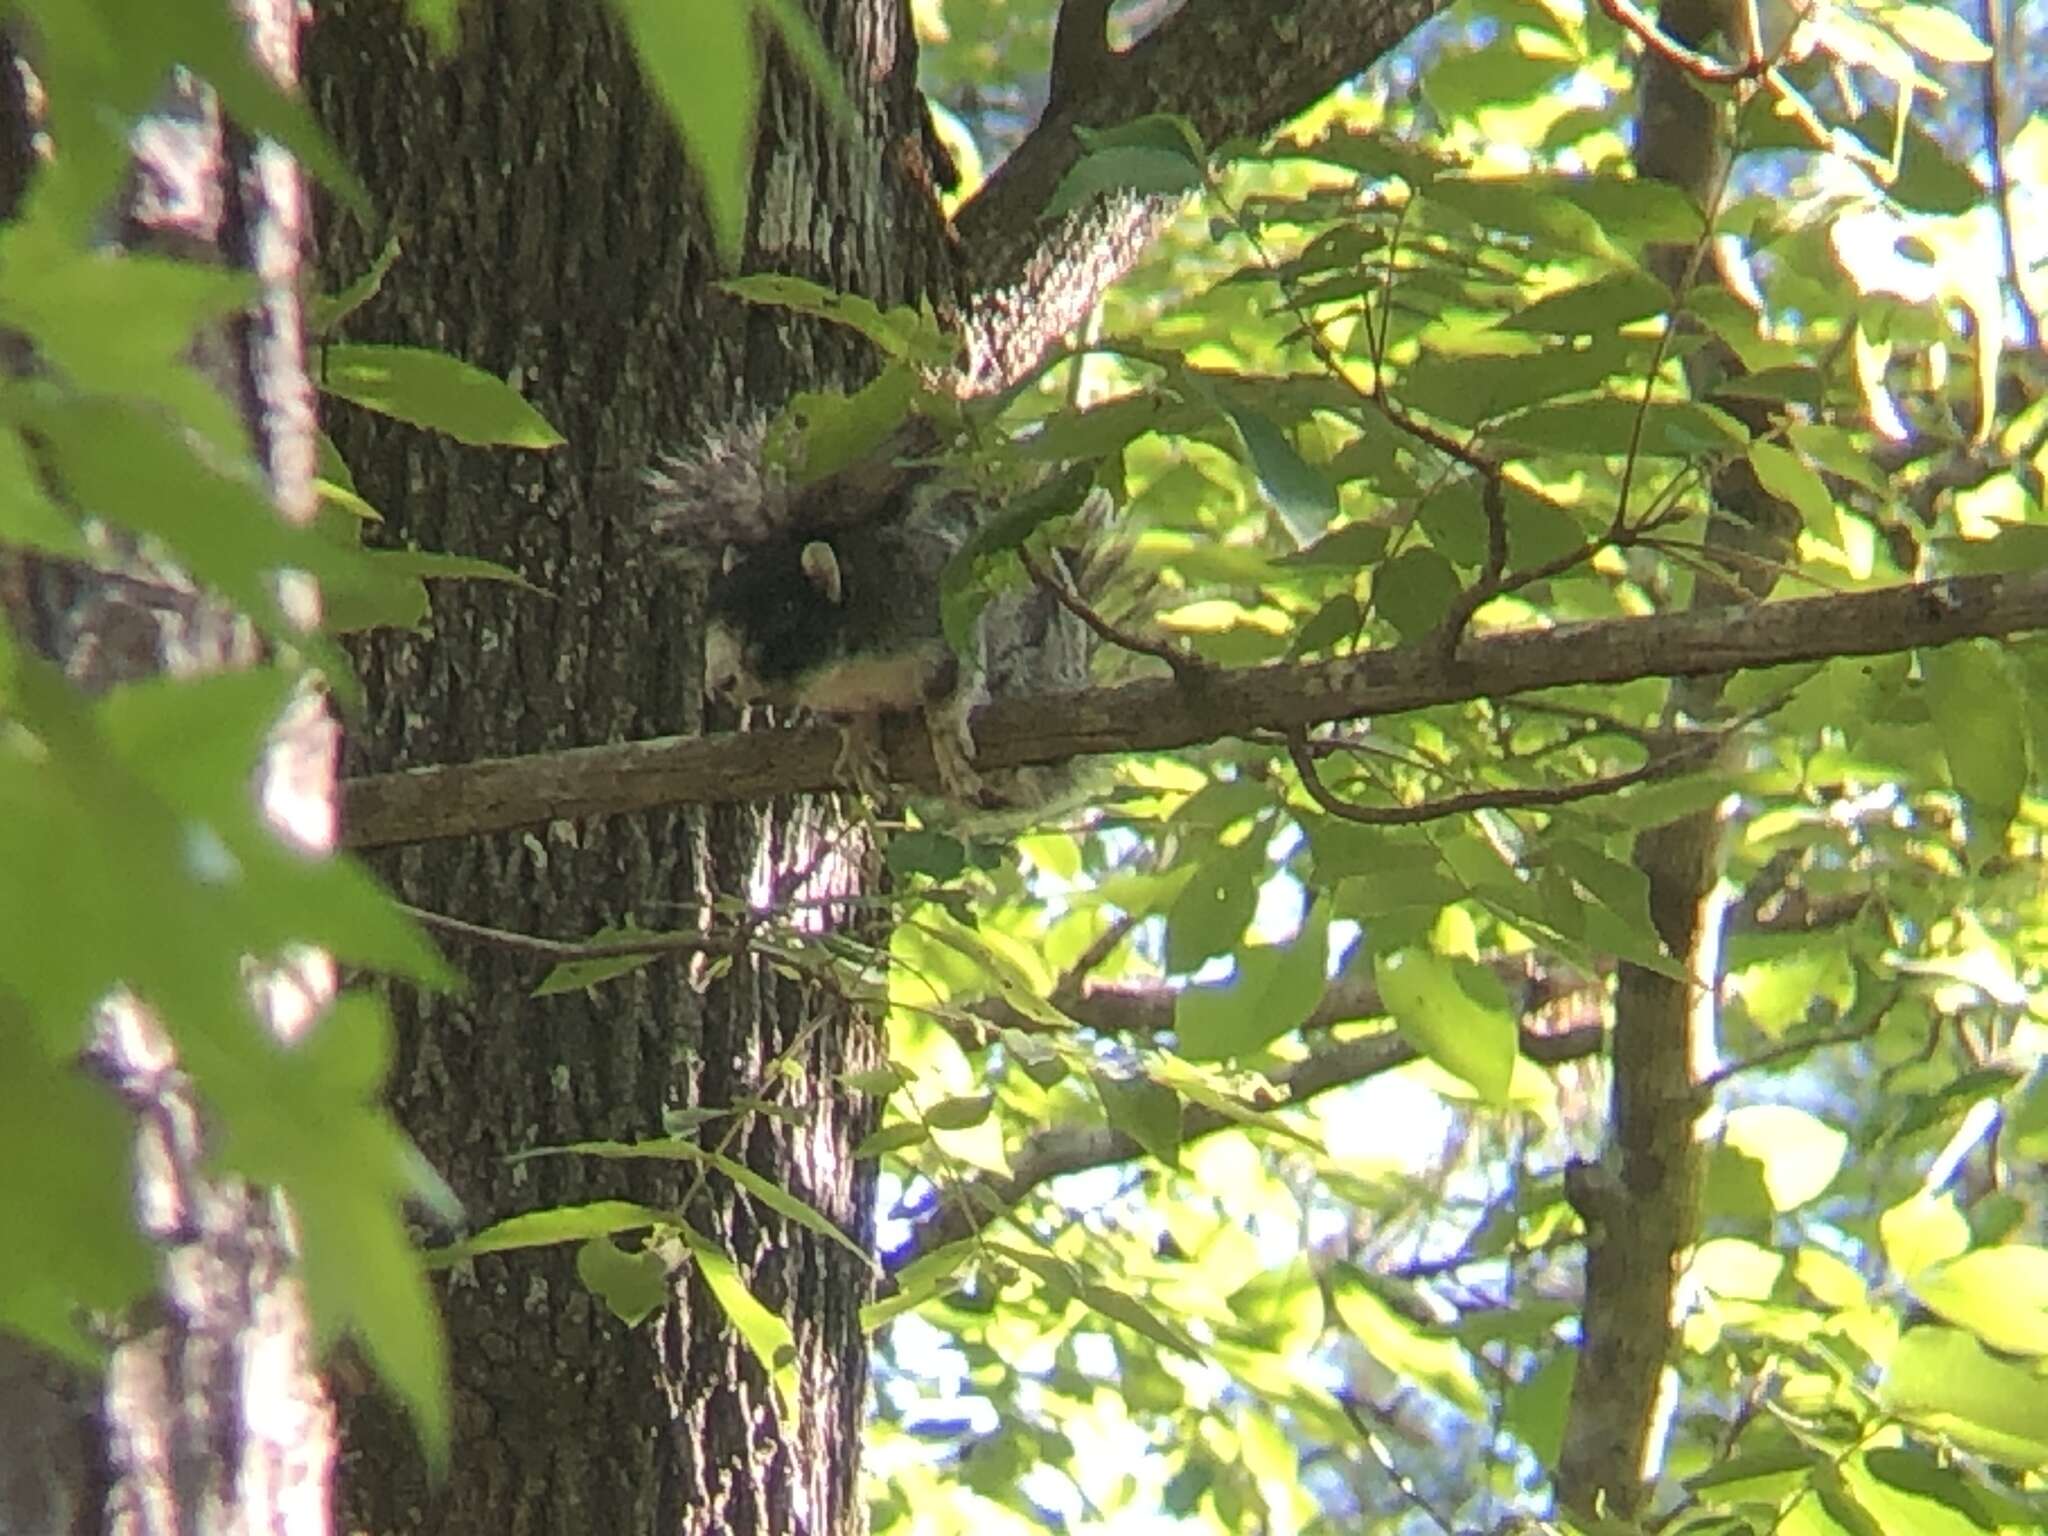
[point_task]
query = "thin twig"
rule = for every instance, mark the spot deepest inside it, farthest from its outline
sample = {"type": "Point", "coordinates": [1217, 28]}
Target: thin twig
{"type": "Point", "coordinates": [1099, 949]}
{"type": "Point", "coordinates": [1678, 760]}
{"type": "Point", "coordinates": [1692, 62]}
{"type": "Point", "coordinates": [564, 950]}
{"type": "Point", "coordinates": [1849, 1035]}
{"type": "Point", "coordinates": [1183, 663]}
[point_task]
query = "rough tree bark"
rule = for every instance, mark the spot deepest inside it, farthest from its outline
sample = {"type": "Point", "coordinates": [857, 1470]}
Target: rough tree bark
{"type": "Point", "coordinates": [551, 237]}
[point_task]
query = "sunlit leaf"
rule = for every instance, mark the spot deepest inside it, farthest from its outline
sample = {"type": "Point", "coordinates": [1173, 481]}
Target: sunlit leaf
{"type": "Point", "coordinates": [1456, 1014]}
{"type": "Point", "coordinates": [1920, 1231]}
{"type": "Point", "coordinates": [631, 1285]}
{"type": "Point", "coordinates": [1799, 1154]}
{"type": "Point", "coordinates": [436, 391]}
{"type": "Point", "coordinates": [1944, 1380]}
{"type": "Point", "coordinates": [1972, 689]}
{"type": "Point", "coordinates": [1999, 1294]}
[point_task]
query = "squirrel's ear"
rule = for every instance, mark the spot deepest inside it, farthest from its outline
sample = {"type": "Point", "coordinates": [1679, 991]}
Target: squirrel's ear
{"type": "Point", "coordinates": [821, 568]}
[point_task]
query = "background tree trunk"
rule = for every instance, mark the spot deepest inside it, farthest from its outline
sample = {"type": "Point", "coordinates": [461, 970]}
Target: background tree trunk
{"type": "Point", "coordinates": [211, 1415]}
{"type": "Point", "coordinates": [1642, 1206]}
{"type": "Point", "coordinates": [551, 236]}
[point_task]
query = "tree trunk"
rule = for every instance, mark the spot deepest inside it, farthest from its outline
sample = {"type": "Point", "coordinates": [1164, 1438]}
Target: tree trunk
{"type": "Point", "coordinates": [552, 236]}
{"type": "Point", "coordinates": [211, 1416]}
{"type": "Point", "coordinates": [1642, 1205]}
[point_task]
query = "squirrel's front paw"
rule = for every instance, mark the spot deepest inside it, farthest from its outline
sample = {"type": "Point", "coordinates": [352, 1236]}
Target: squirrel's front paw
{"type": "Point", "coordinates": [861, 761]}
{"type": "Point", "coordinates": [950, 722]}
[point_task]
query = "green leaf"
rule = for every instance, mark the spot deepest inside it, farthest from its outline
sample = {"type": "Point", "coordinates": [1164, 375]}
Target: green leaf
{"type": "Point", "coordinates": [1798, 383]}
{"type": "Point", "coordinates": [1944, 1381]}
{"type": "Point", "coordinates": [1272, 992]}
{"type": "Point", "coordinates": [1908, 1490]}
{"type": "Point", "coordinates": [1782, 473]}
{"type": "Point", "coordinates": [1520, 206]}
{"type": "Point", "coordinates": [1976, 696]}
{"type": "Point", "coordinates": [633, 1286]}
{"type": "Point", "coordinates": [1411, 1353]}
{"type": "Point", "coordinates": [1146, 1111]}
{"type": "Point", "coordinates": [1922, 1231]}
{"type": "Point", "coordinates": [1121, 1307]}
{"type": "Point", "coordinates": [765, 1333]}
{"type": "Point", "coordinates": [1469, 388]}
{"type": "Point", "coordinates": [1839, 453]}
{"type": "Point", "coordinates": [893, 1138]}
{"type": "Point", "coordinates": [905, 336]}
{"type": "Point", "coordinates": [1595, 308]}
{"type": "Point", "coordinates": [1613, 428]}
{"type": "Point", "coordinates": [1766, 1473]}
{"type": "Point", "coordinates": [435, 391]}
{"type": "Point", "coordinates": [703, 64]}
{"type": "Point", "coordinates": [390, 594]}
{"type": "Point", "coordinates": [1461, 82]}
{"type": "Point", "coordinates": [1454, 1012]}
{"type": "Point", "coordinates": [1536, 1406]}
{"type": "Point", "coordinates": [1929, 179]}
{"type": "Point", "coordinates": [123, 325]}
{"type": "Point", "coordinates": [923, 851]}
{"type": "Point", "coordinates": [546, 1228]}
{"type": "Point", "coordinates": [785, 1204]}
{"type": "Point", "coordinates": [1733, 1193]}
{"type": "Point", "coordinates": [1370, 154]}
{"type": "Point", "coordinates": [1782, 991]}
{"type": "Point", "coordinates": [72, 1246]}
{"type": "Point", "coordinates": [1211, 912]}
{"type": "Point", "coordinates": [28, 517]}
{"type": "Point", "coordinates": [1999, 1294]}
{"type": "Point", "coordinates": [1637, 209]}
{"type": "Point", "coordinates": [1453, 518]}
{"type": "Point", "coordinates": [1414, 591]}
{"type": "Point", "coordinates": [1799, 1155]}
{"type": "Point", "coordinates": [930, 1275]}
{"type": "Point", "coordinates": [325, 311]}
{"type": "Point", "coordinates": [1134, 169]}
{"type": "Point", "coordinates": [959, 1114]}
{"type": "Point", "coordinates": [308, 1120]}
{"type": "Point", "coordinates": [196, 742]}
{"type": "Point", "coordinates": [1618, 919]}
{"type": "Point", "coordinates": [1298, 491]}
{"type": "Point", "coordinates": [1338, 620]}
{"type": "Point", "coordinates": [1155, 156]}
{"type": "Point", "coordinates": [577, 975]}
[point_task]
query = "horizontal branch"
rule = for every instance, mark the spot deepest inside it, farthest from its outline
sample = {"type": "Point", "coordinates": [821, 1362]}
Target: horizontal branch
{"type": "Point", "coordinates": [1145, 1007]}
{"type": "Point", "coordinates": [1160, 714]}
{"type": "Point", "coordinates": [970, 1206]}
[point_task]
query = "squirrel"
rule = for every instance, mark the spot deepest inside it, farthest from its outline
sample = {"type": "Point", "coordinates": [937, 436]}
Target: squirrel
{"type": "Point", "coordinates": [829, 596]}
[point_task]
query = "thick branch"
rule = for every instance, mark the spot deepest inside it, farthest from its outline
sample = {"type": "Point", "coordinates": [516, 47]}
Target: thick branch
{"type": "Point", "coordinates": [1233, 68]}
{"type": "Point", "coordinates": [967, 1208]}
{"type": "Point", "coordinates": [1161, 714]}
{"type": "Point", "coordinates": [1641, 1199]}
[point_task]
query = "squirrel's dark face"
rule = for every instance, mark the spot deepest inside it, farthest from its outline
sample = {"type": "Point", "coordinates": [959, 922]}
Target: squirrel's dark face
{"type": "Point", "coordinates": [791, 623]}
{"type": "Point", "coordinates": [772, 621]}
